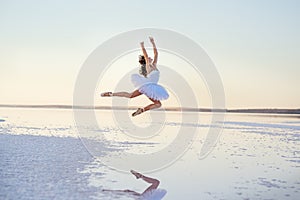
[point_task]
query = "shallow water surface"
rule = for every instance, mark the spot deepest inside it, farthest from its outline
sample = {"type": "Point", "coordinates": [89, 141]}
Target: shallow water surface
{"type": "Point", "coordinates": [43, 157]}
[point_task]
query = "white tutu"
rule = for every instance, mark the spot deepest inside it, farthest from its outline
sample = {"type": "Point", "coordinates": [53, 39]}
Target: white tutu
{"type": "Point", "coordinates": [149, 87]}
{"type": "Point", "coordinates": [156, 194]}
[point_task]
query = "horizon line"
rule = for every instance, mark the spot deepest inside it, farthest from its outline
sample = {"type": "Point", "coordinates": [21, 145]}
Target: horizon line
{"type": "Point", "coordinates": [178, 109]}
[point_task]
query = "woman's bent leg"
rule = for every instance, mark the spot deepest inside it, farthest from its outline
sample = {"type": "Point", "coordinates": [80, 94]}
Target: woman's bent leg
{"type": "Point", "coordinates": [154, 182]}
{"type": "Point", "coordinates": [156, 104]}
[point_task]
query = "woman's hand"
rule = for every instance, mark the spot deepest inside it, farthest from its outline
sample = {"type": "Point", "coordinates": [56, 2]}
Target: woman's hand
{"type": "Point", "coordinates": [142, 44]}
{"type": "Point", "coordinates": [151, 40]}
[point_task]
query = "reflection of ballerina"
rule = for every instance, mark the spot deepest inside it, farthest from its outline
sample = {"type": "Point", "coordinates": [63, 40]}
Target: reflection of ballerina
{"type": "Point", "coordinates": [151, 193]}
{"type": "Point", "coordinates": [146, 82]}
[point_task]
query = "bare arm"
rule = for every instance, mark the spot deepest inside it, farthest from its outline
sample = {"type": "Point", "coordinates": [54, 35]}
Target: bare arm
{"type": "Point", "coordinates": [144, 52]}
{"type": "Point", "coordinates": [146, 58]}
{"type": "Point", "coordinates": [155, 51]}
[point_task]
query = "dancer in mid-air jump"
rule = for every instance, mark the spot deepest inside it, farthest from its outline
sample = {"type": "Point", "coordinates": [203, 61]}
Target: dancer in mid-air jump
{"type": "Point", "coordinates": [145, 82]}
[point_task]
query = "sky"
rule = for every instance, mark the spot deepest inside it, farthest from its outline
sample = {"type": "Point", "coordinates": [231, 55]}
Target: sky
{"type": "Point", "coordinates": [255, 45]}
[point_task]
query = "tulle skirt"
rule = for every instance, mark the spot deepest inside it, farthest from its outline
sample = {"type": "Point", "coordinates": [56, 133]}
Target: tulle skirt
{"type": "Point", "coordinates": [154, 91]}
{"type": "Point", "coordinates": [149, 87]}
{"type": "Point", "coordinates": [156, 194]}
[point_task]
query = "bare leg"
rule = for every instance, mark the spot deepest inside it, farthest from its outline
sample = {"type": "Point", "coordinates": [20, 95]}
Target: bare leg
{"type": "Point", "coordinates": [127, 94]}
{"type": "Point", "coordinates": [156, 104]}
{"type": "Point", "coordinates": [125, 191]}
{"type": "Point", "coordinates": [154, 182]}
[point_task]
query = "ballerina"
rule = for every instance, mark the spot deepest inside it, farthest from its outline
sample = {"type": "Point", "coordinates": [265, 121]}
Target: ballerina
{"type": "Point", "coordinates": [146, 82]}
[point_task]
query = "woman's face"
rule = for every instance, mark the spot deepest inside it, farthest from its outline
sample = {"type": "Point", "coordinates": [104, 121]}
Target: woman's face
{"type": "Point", "coordinates": [150, 59]}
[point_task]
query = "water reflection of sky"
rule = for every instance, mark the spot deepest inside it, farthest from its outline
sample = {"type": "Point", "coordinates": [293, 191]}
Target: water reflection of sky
{"type": "Point", "coordinates": [256, 157]}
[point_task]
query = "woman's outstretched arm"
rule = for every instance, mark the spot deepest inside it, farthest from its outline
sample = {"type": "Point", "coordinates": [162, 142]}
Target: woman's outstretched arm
{"type": "Point", "coordinates": [155, 51]}
{"type": "Point", "coordinates": [144, 52]}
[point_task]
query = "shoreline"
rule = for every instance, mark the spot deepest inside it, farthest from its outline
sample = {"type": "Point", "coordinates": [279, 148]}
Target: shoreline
{"type": "Point", "coordinates": [176, 109]}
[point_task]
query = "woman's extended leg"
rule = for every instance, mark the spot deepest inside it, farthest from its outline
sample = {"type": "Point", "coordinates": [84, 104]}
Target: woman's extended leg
{"type": "Point", "coordinates": [125, 191]}
{"type": "Point", "coordinates": [122, 94]}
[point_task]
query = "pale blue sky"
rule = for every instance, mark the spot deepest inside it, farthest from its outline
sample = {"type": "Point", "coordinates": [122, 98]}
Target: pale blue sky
{"type": "Point", "coordinates": [254, 44]}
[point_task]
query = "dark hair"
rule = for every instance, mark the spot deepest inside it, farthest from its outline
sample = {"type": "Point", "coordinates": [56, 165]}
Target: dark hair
{"type": "Point", "coordinates": [142, 60]}
{"type": "Point", "coordinates": [143, 70]}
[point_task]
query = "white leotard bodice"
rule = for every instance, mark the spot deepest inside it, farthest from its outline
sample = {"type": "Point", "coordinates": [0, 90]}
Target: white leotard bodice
{"type": "Point", "coordinates": [138, 80]}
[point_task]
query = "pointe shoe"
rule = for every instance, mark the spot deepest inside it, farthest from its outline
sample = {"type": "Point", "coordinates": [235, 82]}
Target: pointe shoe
{"type": "Point", "coordinates": [137, 112]}
{"type": "Point", "coordinates": [137, 175]}
{"type": "Point", "coordinates": [106, 94]}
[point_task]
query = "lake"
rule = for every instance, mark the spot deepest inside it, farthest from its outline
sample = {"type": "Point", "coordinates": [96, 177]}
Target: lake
{"type": "Point", "coordinates": [46, 154]}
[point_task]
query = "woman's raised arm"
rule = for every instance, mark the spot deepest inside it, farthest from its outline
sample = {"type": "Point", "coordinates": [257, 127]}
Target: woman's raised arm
{"type": "Point", "coordinates": [144, 52]}
{"type": "Point", "coordinates": [155, 50]}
